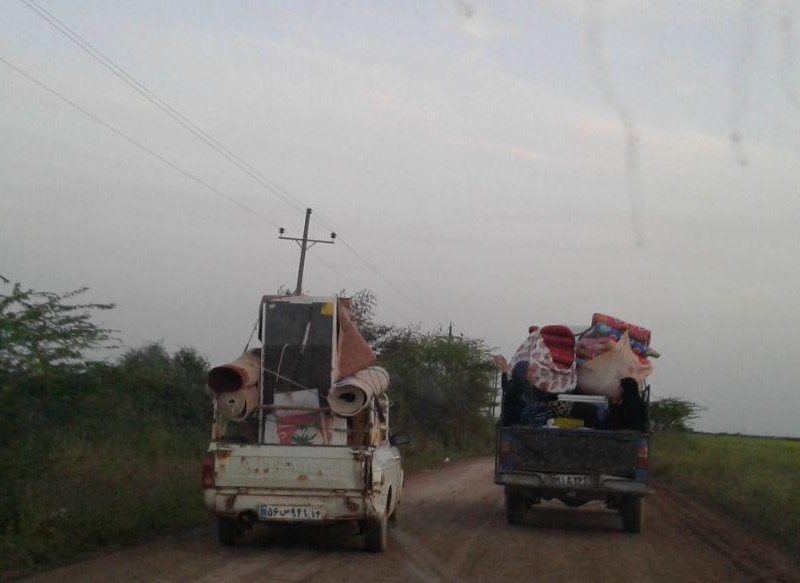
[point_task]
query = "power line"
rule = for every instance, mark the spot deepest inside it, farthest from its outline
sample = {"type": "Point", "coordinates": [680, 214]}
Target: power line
{"type": "Point", "coordinates": [358, 286]}
{"type": "Point", "coordinates": [134, 142]}
{"type": "Point", "coordinates": [144, 148]}
{"type": "Point", "coordinates": [137, 86]}
{"type": "Point", "coordinates": [206, 138]}
{"type": "Point", "coordinates": [346, 278]}
{"type": "Point", "coordinates": [375, 270]}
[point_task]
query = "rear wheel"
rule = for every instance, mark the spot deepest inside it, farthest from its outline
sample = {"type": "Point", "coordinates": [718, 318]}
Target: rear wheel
{"type": "Point", "coordinates": [228, 532]}
{"type": "Point", "coordinates": [515, 507]}
{"type": "Point", "coordinates": [632, 512]}
{"type": "Point", "coordinates": [375, 534]}
{"type": "Point", "coordinates": [393, 515]}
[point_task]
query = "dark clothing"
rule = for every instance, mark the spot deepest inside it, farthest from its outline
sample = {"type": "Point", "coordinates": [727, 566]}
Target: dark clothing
{"type": "Point", "coordinates": [631, 412]}
{"type": "Point", "coordinates": [513, 401]}
{"type": "Point", "coordinates": [523, 403]}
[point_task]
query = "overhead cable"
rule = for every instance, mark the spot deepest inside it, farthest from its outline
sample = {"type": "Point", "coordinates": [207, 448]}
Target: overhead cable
{"type": "Point", "coordinates": [206, 138]}
{"type": "Point", "coordinates": [146, 149]}
{"type": "Point", "coordinates": [136, 143]}
{"type": "Point", "coordinates": [137, 86]}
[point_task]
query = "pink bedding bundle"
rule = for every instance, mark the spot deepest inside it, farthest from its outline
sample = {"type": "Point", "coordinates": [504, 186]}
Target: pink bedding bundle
{"type": "Point", "coordinates": [551, 354]}
{"type": "Point", "coordinates": [560, 341]}
{"type": "Point", "coordinates": [636, 333]}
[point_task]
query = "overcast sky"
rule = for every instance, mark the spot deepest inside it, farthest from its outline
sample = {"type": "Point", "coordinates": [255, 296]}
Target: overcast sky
{"type": "Point", "coordinates": [489, 164]}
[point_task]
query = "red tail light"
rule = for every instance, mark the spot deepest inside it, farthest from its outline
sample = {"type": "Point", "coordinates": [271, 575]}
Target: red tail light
{"type": "Point", "coordinates": [505, 450]}
{"type": "Point", "coordinates": [208, 470]}
{"type": "Point", "coordinates": [642, 458]}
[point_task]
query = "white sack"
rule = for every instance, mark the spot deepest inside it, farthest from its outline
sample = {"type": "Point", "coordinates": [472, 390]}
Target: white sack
{"type": "Point", "coordinates": [602, 374]}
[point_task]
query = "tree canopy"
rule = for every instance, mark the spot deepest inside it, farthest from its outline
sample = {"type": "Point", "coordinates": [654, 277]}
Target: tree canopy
{"type": "Point", "coordinates": [673, 414]}
{"type": "Point", "coordinates": [42, 330]}
{"type": "Point", "coordinates": [442, 386]}
{"type": "Point", "coordinates": [81, 439]}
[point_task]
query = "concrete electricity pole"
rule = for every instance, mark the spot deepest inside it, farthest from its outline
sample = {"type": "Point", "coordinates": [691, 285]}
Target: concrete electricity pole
{"type": "Point", "coordinates": [305, 244]}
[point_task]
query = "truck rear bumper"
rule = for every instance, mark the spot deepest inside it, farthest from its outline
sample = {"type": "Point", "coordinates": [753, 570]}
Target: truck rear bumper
{"type": "Point", "coordinates": [286, 506]}
{"type": "Point", "coordinates": [602, 484]}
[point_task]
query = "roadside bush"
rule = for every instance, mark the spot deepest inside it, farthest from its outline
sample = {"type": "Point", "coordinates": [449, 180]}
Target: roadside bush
{"type": "Point", "coordinates": [91, 453]}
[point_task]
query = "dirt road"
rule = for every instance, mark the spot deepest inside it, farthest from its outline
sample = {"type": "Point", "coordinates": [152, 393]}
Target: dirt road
{"type": "Point", "coordinates": [452, 528]}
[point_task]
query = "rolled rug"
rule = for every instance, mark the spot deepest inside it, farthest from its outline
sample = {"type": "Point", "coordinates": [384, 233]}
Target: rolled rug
{"type": "Point", "coordinates": [352, 394]}
{"type": "Point", "coordinates": [237, 374]}
{"type": "Point", "coordinates": [237, 405]}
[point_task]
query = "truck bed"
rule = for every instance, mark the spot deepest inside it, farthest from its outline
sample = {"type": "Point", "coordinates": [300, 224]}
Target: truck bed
{"type": "Point", "coordinates": [568, 451]}
{"type": "Point", "coordinates": [280, 467]}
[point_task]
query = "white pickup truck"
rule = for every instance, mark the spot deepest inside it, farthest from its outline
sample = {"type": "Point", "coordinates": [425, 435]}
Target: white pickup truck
{"type": "Point", "coordinates": [292, 459]}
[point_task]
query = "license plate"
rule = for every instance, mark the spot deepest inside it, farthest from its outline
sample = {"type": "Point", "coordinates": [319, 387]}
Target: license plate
{"type": "Point", "coordinates": [287, 512]}
{"type": "Point", "coordinates": [573, 480]}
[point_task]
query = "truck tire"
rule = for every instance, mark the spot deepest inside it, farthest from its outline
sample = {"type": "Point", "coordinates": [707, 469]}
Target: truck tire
{"type": "Point", "coordinates": [228, 532]}
{"type": "Point", "coordinates": [632, 512]}
{"type": "Point", "coordinates": [393, 515]}
{"type": "Point", "coordinates": [375, 534]}
{"type": "Point", "coordinates": [515, 507]}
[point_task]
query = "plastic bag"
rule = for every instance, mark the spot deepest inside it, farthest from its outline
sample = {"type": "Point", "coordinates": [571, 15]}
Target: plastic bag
{"type": "Point", "coordinates": [602, 374]}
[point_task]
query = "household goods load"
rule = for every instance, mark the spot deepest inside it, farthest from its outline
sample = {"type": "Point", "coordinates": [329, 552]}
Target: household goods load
{"type": "Point", "coordinates": [550, 351]}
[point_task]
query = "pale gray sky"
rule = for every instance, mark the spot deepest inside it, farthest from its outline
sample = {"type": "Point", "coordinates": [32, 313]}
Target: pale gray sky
{"type": "Point", "coordinates": [473, 152]}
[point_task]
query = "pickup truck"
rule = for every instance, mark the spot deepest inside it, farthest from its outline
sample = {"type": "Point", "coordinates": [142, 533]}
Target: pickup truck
{"type": "Point", "coordinates": [573, 466]}
{"type": "Point", "coordinates": [294, 460]}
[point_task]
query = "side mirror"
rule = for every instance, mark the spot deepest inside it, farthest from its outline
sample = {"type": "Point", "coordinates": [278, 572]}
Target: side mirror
{"type": "Point", "coordinates": [399, 440]}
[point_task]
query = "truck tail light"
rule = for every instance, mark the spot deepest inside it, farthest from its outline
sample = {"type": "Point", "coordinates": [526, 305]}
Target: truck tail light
{"type": "Point", "coordinates": [642, 458]}
{"type": "Point", "coordinates": [208, 470]}
{"type": "Point", "coordinates": [505, 450]}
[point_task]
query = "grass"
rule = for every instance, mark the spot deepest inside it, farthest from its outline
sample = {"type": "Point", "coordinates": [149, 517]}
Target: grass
{"type": "Point", "coordinates": [95, 496]}
{"type": "Point", "coordinates": [755, 480]}
{"type": "Point", "coordinates": [433, 455]}
{"type": "Point", "coordinates": [425, 452]}
{"type": "Point", "coordinates": [91, 496]}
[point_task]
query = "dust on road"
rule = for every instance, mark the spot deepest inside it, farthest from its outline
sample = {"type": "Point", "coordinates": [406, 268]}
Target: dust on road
{"type": "Point", "coordinates": [452, 528]}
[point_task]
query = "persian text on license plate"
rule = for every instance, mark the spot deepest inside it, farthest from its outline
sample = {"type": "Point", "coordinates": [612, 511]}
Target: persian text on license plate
{"type": "Point", "coordinates": [286, 512]}
{"type": "Point", "coordinates": [573, 480]}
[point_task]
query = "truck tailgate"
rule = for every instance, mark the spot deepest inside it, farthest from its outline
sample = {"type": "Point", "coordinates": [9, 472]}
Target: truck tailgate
{"type": "Point", "coordinates": [524, 449]}
{"type": "Point", "coordinates": [279, 467]}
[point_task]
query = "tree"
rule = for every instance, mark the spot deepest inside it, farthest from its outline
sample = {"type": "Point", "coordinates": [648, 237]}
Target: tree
{"type": "Point", "coordinates": [364, 302]}
{"type": "Point", "coordinates": [168, 387]}
{"type": "Point", "coordinates": [441, 387]}
{"type": "Point", "coordinates": [673, 414]}
{"type": "Point", "coordinates": [81, 440]}
{"type": "Point", "coordinates": [40, 331]}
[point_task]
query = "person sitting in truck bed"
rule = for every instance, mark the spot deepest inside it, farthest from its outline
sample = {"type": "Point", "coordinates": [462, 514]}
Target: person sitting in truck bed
{"type": "Point", "coordinates": [630, 413]}
{"type": "Point", "coordinates": [521, 399]}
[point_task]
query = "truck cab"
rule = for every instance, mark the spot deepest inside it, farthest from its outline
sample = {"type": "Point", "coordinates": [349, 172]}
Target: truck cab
{"type": "Point", "coordinates": [293, 455]}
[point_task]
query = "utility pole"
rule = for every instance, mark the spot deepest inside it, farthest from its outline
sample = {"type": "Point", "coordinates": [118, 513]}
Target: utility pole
{"type": "Point", "coordinates": [305, 244]}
